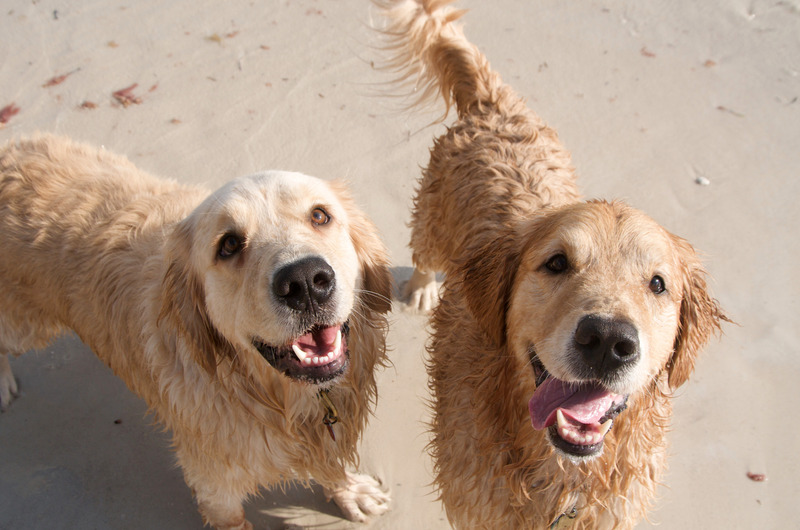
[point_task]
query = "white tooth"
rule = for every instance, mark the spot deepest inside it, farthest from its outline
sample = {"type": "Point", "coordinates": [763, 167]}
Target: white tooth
{"type": "Point", "coordinates": [560, 419]}
{"type": "Point", "coordinates": [573, 437]}
{"type": "Point", "coordinates": [307, 360]}
{"type": "Point", "coordinates": [316, 360]}
{"type": "Point", "coordinates": [604, 427]}
{"type": "Point", "coordinates": [337, 344]}
{"type": "Point", "coordinates": [299, 352]}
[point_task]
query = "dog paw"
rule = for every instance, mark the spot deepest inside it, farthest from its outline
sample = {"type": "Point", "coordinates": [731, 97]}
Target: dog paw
{"type": "Point", "coordinates": [8, 384]}
{"type": "Point", "coordinates": [360, 498]}
{"type": "Point", "coordinates": [422, 291]}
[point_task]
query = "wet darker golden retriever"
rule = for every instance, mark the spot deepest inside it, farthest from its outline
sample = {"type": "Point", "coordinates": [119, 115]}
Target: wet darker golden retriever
{"type": "Point", "coordinates": [246, 318]}
{"type": "Point", "coordinates": [564, 325]}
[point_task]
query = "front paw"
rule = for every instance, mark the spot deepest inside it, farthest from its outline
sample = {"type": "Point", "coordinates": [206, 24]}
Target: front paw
{"type": "Point", "coordinates": [421, 291]}
{"type": "Point", "coordinates": [359, 498]}
{"type": "Point", "coordinates": [221, 515]}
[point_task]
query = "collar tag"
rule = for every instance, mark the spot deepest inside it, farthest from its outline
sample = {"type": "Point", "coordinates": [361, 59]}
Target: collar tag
{"type": "Point", "coordinates": [331, 415]}
{"type": "Point", "coordinates": [565, 520]}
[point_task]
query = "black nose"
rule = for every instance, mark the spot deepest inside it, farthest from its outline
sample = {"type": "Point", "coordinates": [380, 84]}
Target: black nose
{"type": "Point", "coordinates": [304, 285]}
{"type": "Point", "coordinates": [607, 344]}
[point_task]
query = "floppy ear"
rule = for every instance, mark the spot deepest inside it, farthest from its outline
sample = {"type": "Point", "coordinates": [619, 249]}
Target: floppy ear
{"type": "Point", "coordinates": [486, 278]}
{"type": "Point", "coordinates": [699, 318]}
{"type": "Point", "coordinates": [376, 278]}
{"type": "Point", "coordinates": [183, 303]}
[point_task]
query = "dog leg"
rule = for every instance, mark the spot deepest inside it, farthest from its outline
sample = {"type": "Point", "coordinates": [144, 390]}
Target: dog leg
{"type": "Point", "coordinates": [222, 515]}
{"type": "Point", "coordinates": [8, 384]}
{"type": "Point", "coordinates": [359, 498]}
{"type": "Point", "coordinates": [217, 488]}
{"type": "Point", "coordinates": [422, 290]}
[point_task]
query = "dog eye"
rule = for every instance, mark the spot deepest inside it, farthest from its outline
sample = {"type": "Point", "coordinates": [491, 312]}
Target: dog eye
{"type": "Point", "coordinates": [557, 264]}
{"type": "Point", "coordinates": [320, 217]}
{"type": "Point", "coordinates": [229, 245]}
{"type": "Point", "coordinates": [657, 284]}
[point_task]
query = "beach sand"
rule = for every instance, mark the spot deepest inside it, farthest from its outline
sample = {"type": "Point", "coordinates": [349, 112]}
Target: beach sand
{"type": "Point", "coordinates": [688, 110]}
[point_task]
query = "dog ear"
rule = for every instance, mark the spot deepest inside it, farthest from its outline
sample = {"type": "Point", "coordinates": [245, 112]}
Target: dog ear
{"type": "Point", "coordinates": [700, 316]}
{"type": "Point", "coordinates": [486, 278]}
{"type": "Point", "coordinates": [377, 283]}
{"type": "Point", "coordinates": [376, 276]}
{"type": "Point", "coordinates": [183, 302]}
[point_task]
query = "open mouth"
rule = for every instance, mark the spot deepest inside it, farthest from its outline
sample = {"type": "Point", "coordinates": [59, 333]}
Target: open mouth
{"type": "Point", "coordinates": [318, 356]}
{"type": "Point", "coordinates": [577, 416]}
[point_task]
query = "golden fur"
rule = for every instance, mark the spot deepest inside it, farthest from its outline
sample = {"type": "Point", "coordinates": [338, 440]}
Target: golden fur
{"type": "Point", "coordinates": [171, 287]}
{"type": "Point", "coordinates": [526, 263]}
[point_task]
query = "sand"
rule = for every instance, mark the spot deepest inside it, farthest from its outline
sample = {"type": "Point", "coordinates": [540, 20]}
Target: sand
{"type": "Point", "coordinates": [688, 110]}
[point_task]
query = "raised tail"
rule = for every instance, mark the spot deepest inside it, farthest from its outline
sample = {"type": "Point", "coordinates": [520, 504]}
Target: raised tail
{"type": "Point", "coordinates": [430, 50]}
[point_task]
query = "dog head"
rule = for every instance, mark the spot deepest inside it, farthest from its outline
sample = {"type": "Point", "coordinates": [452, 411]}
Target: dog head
{"type": "Point", "coordinates": [271, 268]}
{"type": "Point", "coordinates": [598, 300]}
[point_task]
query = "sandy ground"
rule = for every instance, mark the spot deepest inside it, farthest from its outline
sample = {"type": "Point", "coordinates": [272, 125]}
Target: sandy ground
{"type": "Point", "coordinates": [689, 110]}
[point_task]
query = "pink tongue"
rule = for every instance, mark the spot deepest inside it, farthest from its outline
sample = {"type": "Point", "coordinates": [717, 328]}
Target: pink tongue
{"type": "Point", "coordinates": [319, 341]}
{"type": "Point", "coordinates": [585, 403]}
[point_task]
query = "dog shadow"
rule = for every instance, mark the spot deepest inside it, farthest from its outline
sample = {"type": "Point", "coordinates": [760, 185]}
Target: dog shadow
{"type": "Point", "coordinates": [79, 450]}
{"type": "Point", "coordinates": [295, 506]}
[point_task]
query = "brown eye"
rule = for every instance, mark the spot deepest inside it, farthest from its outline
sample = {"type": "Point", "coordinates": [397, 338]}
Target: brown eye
{"type": "Point", "coordinates": [320, 217]}
{"type": "Point", "coordinates": [657, 284]}
{"type": "Point", "coordinates": [229, 245]}
{"type": "Point", "coordinates": [557, 264]}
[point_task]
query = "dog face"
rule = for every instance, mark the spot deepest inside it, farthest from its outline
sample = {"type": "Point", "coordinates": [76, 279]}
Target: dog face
{"type": "Point", "coordinates": [597, 297]}
{"type": "Point", "coordinates": [270, 267]}
{"type": "Point", "coordinates": [598, 300]}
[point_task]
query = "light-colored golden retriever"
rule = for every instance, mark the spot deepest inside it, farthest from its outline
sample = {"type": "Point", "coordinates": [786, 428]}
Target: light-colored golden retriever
{"type": "Point", "coordinates": [564, 325]}
{"type": "Point", "coordinates": [247, 318]}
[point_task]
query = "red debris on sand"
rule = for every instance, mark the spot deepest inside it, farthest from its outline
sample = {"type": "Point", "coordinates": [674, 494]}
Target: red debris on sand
{"type": "Point", "coordinates": [57, 80]}
{"type": "Point", "coordinates": [756, 477]}
{"type": "Point", "coordinates": [219, 40]}
{"type": "Point", "coordinates": [7, 112]}
{"type": "Point", "coordinates": [647, 53]}
{"type": "Point", "coordinates": [88, 105]}
{"type": "Point", "coordinates": [125, 96]}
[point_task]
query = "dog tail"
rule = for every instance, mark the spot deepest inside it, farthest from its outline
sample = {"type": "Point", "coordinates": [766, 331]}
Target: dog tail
{"type": "Point", "coordinates": [430, 50]}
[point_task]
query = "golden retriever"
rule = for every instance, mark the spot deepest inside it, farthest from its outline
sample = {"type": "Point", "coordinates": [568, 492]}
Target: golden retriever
{"type": "Point", "coordinates": [249, 320]}
{"type": "Point", "coordinates": [558, 317]}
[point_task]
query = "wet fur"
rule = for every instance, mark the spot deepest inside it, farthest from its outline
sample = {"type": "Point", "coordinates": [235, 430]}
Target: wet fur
{"type": "Point", "coordinates": [499, 197]}
{"type": "Point", "coordinates": [94, 245]}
